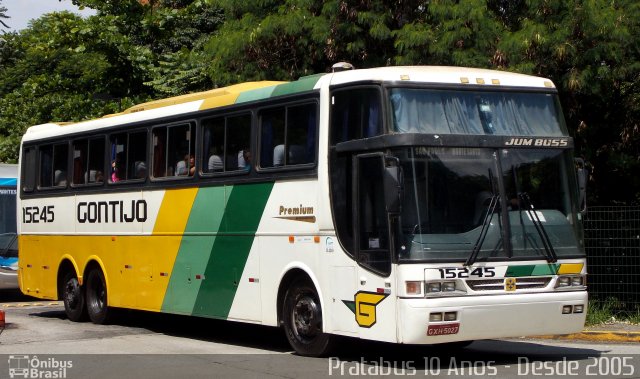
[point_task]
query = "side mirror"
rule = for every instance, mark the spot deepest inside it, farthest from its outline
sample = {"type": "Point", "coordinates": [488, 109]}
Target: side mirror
{"type": "Point", "coordinates": [393, 185]}
{"type": "Point", "coordinates": [582, 175]}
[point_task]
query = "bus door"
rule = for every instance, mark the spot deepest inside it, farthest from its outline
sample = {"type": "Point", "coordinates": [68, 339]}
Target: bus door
{"type": "Point", "coordinates": [374, 217]}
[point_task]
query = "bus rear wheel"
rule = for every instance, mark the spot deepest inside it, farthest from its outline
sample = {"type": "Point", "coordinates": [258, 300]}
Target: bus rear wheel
{"type": "Point", "coordinates": [96, 294]}
{"type": "Point", "coordinates": [73, 298]}
{"type": "Point", "coordinates": [302, 318]}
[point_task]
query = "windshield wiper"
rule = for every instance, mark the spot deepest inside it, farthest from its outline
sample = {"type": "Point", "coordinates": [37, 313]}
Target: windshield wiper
{"type": "Point", "coordinates": [483, 232]}
{"type": "Point", "coordinates": [550, 253]}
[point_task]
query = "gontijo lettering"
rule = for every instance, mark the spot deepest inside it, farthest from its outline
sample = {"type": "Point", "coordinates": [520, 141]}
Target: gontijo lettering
{"type": "Point", "coordinates": [112, 211]}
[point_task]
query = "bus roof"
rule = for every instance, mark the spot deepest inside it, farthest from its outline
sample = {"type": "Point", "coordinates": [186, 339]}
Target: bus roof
{"type": "Point", "coordinates": [442, 75]}
{"type": "Point", "coordinates": [252, 91]}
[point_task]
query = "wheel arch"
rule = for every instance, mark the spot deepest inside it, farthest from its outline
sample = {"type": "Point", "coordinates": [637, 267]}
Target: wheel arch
{"type": "Point", "coordinates": [94, 262]}
{"type": "Point", "coordinates": [67, 264]}
{"type": "Point", "coordinates": [289, 275]}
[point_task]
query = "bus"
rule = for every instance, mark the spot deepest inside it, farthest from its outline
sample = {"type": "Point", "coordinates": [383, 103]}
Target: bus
{"type": "Point", "coordinates": [8, 227]}
{"type": "Point", "coordinates": [412, 205]}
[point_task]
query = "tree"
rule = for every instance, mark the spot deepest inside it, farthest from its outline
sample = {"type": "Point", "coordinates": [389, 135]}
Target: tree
{"type": "Point", "coordinates": [591, 51]}
{"type": "Point", "coordinates": [173, 32]}
{"type": "Point", "coordinates": [53, 71]}
{"type": "Point", "coordinates": [3, 16]}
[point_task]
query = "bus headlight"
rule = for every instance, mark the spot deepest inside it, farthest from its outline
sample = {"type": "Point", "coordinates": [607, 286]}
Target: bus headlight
{"type": "Point", "coordinates": [571, 282]}
{"type": "Point", "coordinates": [563, 281]}
{"type": "Point", "coordinates": [444, 288]}
{"type": "Point", "coordinates": [448, 286]}
{"type": "Point", "coordinates": [434, 287]}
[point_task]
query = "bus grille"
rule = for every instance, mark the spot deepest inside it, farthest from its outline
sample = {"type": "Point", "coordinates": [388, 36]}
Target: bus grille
{"type": "Point", "coordinates": [498, 284]}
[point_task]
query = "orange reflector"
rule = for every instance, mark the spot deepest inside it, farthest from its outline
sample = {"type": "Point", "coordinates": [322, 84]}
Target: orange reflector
{"type": "Point", "coordinates": [113, 238]}
{"type": "Point", "coordinates": [479, 80]}
{"type": "Point", "coordinates": [291, 239]}
{"type": "Point", "coordinates": [316, 239]}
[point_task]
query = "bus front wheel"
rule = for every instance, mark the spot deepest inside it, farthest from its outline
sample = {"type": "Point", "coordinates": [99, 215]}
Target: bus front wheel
{"type": "Point", "coordinates": [302, 319]}
{"type": "Point", "coordinates": [96, 295]}
{"type": "Point", "coordinates": [73, 298]}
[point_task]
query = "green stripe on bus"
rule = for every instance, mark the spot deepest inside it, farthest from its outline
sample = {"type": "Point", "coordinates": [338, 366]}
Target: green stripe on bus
{"type": "Point", "coordinates": [255, 94]}
{"type": "Point", "coordinates": [531, 270]}
{"type": "Point", "coordinates": [200, 233]}
{"type": "Point", "coordinates": [301, 85]}
{"type": "Point", "coordinates": [230, 250]}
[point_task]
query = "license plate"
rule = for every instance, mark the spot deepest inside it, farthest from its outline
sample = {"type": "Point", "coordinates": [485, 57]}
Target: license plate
{"type": "Point", "coordinates": [443, 329]}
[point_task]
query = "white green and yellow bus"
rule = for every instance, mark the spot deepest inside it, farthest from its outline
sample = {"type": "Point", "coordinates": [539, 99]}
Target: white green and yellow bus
{"type": "Point", "coordinates": [413, 205]}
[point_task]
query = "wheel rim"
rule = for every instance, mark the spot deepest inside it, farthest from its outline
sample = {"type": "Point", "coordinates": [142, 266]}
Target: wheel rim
{"type": "Point", "coordinates": [72, 293]}
{"type": "Point", "coordinates": [306, 318]}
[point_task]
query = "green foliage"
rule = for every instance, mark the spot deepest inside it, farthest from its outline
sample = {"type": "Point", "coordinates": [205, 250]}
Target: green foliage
{"type": "Point", "coordinates": [611, 310]}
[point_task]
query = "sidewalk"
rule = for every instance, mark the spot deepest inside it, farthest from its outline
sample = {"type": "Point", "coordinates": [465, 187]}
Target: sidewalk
{"type": "Point", "coordinates": [609, 332]}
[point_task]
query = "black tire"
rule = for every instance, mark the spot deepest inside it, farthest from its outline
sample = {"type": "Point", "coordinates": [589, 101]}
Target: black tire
{"type": "Point", "coordinates": [302, 318]}
{"type": "Point", "coordinates": [73, 297]}
{"type": "Point", "coordinates": [96, 296]}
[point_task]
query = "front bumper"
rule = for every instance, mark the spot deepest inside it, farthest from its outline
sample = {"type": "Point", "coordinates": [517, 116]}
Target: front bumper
{"type": "Point", "coordinates": [486, 317]}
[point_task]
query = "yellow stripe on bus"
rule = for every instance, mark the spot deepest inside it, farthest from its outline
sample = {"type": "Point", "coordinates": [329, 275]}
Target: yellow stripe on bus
{"type": "Point", "coordinates": [174, 211]}
{"type": "Point", "coordinates": [570, 268]}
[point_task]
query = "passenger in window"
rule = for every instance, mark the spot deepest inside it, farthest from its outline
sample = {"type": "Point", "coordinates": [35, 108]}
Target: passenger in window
{"type": "Point", "coordinates": [60, 178]}
{"type": "Point", "coordinates": [246, 156]}
{"type": "Point", "coordinates": [99, 177]}
{"type": "Point", "coordinates": [215, 163]}
{"type": "Point", "coordinates": [192, 165]}
{"type": "Point", "coordinates": [278, 155]}
{"type": "Point", "coordinates": [141, 170]}
{"type": "Point", "coordinates": [186, 167]}
{"type": "Point", "coordinates": [114, 171]}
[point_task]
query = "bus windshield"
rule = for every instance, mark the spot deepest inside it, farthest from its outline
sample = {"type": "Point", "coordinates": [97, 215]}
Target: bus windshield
{"type": "Point", "coordinates": [419, 110]}
{"type": "Point", "coordinates": [504, 203]}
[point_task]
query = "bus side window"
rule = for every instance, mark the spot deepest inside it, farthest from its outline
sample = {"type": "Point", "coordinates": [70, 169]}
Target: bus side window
{"type": "Point", "coordinates": [356, 114]}
{"type": "Point", "coordinates": [128, 156]}
{"type": "Point", "coordinates": [29, 169]}
{"type": "Point", "coordinates": [288, 135]}
{"type": "Point", "coordinates": [213, 145]}
{"type": "Point", "coordinates": [137, 155]}
{"type": "Point", "coordinates": [272, 129]}
{"type": "Point", "coordinates": [238, 140]}
{"type": "Point", "coordinates": [53, 165]}
{"type": "Point", "coordinates": [88, 161]}
{"type": "Point", "coordinates": [173, 146]}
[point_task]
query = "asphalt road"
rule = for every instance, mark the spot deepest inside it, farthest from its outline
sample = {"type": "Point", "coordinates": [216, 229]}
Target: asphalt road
{"type": "Point", "coordinates": [40, 342]}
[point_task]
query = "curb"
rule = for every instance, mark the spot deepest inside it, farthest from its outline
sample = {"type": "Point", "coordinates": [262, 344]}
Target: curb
{"type": "Point", "coordinates": [597, 336]}
{"type": "Point", "coordinates": [30, 304]}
